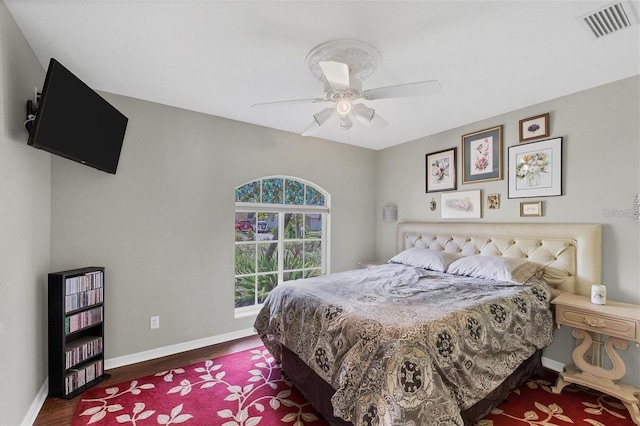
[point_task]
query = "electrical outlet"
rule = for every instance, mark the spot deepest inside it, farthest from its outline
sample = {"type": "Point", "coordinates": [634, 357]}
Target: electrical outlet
{"type": "Point", "coordinates": [154, 322]}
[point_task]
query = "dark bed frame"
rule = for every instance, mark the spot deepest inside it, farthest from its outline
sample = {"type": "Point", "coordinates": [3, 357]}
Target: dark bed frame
{"type": "Point", "coordinates": [318, 392]}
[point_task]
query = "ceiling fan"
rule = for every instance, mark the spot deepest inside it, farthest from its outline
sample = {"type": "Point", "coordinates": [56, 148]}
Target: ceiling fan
{"type": "Point", "coordinates": [342, 65]}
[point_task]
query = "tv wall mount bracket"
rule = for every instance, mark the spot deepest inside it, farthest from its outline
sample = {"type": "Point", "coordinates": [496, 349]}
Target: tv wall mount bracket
{"type": "Point", "coordinates": [32, 109]}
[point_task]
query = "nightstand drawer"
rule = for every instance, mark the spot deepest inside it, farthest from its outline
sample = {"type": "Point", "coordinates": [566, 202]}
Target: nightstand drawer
{"type": "Point", "coordinates": [597, 323]}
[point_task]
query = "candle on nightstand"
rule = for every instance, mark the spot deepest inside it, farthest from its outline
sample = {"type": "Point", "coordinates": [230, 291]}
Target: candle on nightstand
{"type": "Point", "coordinates": [598, 294]}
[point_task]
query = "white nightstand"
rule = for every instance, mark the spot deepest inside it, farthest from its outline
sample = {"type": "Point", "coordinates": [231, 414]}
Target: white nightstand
{"type": "Point", "coordinates": [619, 321]}
{"type": "Point", "coordinates": [366, 264]}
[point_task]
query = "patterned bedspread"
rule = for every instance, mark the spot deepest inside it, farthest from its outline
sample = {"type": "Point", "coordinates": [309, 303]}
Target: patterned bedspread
{"type": "Point", "coordinates": [403, 345]}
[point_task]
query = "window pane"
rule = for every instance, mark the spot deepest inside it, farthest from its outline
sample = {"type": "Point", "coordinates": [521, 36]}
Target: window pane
{"type": "Point", "coordinates": [249, 193]}
{"type": "Point", "coordinates": [266, 283]}
{"type": "Point", "coordinates": [293, 226]}
{"type": "Point", "coordinates": [245, 291]}
{"type": "Point", "coordinates": [312, 273]}
{"type": "Point", "coordinates": [272, 191]}
{"type": "Point", "coordinates": [312, 254]}
{"type": "Point", "coordinates": [268, 257]}
{"type": "Point", "coordinates": [267, 226]}
{"type": "Point", "coordinates": [245, 226]}
{"type": "Point", "coordinates": [293, 256]}
{"type": "Point", "coordinates": [313, 226]}
{"type": "Point", "coordinates": [294, 192]}
{"type": "Point", "coordinates": [314, 197]}
{"type": "Point", "coordinates": [245, 259]}
{"type": "Point", "coordinates": [293, 275]}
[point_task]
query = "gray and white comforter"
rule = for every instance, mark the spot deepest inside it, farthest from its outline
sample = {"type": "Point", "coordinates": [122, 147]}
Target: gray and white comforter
{"type": "Point", "coordinates": [403, 345]}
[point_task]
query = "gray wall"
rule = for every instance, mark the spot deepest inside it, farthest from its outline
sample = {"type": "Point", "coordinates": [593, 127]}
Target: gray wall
{"type": "Point", "coordinates": [24, 231]}
{"type": "Point", "coordinates": [601, 153]}
{"type": "Point", "coordinates": [163, 225]}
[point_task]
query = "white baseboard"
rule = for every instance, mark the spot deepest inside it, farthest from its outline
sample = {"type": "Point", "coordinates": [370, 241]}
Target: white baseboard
{"type": "Point", "coordinates": [174, 349]}
{"type": "Point", "coordinates": [36, 405]}
{"type": "Point", "coordinates": [121, 361]}
{"type": "Point", "coordinates": [552, 365]}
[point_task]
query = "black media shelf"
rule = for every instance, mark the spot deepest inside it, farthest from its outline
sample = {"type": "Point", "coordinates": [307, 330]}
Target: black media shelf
{"type": "Point", "coordinates": [76, 331]}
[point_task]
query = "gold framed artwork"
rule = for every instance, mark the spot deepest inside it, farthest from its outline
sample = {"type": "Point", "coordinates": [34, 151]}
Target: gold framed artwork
{"type": "Point", "coordinates": [534, 127]}
{"type": "Point", "coordinates": [482, 155]}
{"type": "Point", "coordinates": [493, 201]}
{"type": "Point", "coordinates": [530, 208]}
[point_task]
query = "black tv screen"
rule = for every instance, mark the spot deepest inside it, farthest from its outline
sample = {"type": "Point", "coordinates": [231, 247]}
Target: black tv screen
{"type": "Point", "coordinates": [73, 121]}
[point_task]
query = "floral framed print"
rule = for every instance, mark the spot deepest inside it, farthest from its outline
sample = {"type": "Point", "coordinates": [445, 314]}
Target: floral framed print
{"type": "Point", "coordinates": [441, 170]}
{"type": "Point", "coordinates": [461, 205]}
{"type": "Point", "coordinates": [534, 127]}
{"type": "Point", "coordinates": [535, 169]}
{"type": "Point", "coordinates": [482, 155]}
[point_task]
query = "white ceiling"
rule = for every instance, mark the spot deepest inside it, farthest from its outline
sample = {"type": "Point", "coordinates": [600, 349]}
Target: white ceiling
{"type": "Point", "coordinates": [220, 57]}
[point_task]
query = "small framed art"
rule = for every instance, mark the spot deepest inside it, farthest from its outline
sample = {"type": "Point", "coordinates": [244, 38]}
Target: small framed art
{"type": "Point", "coordinates": [441, 170]}
{"type": "Point", "coordinates": [482, 155]}
{"type": "Point", "coordinates": [534, 127]}
{"type": "Point", "coordinates": [493, 201]}
{"type": "Point", "coordinates": [535, 169]}
{"type": "Point", "coordinates": [461, 205]}
{"type": "Point", "coordinates": [530, 208]}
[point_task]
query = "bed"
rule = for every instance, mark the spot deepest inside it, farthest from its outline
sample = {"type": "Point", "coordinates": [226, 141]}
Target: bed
{"type": "Point", "coordinates": [441, 334]}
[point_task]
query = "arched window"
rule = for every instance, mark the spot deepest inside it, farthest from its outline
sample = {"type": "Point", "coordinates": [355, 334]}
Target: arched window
{"type": "Point", "coordinates": [281, 228]}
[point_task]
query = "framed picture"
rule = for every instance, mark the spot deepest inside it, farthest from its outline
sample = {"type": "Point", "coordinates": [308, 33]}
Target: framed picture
{"type": "Point", "coordinates": [461, 205]}
{"type": "Point", "coordinates": [482, 155]}
{"type": "Point", "coordinates": [530, 208]}
{"type": "Point", "coordinates": [535, 169]}
{"type": "Point", "coordinates": [493, 201]}
{"type": "Point", "coordinates": [441, 170]}
{"type": "Point", "coordinates": [534, 128]}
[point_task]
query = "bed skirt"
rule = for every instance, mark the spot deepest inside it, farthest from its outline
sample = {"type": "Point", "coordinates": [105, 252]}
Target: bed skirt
{"type": "Point", "coordinates": [318, 392]}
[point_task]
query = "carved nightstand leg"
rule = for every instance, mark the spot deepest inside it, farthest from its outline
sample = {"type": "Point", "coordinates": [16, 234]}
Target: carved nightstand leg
{"type": "Point", "coordinates": [601, 379]}
{"type": "Point", "coordinates": [560, 384]}
{"type": "Point", "coordinates": [634, 412]}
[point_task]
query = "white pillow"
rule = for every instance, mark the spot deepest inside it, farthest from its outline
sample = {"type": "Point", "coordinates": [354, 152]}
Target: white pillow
{"type": "Point", "coordinates": [423, 258]}
{"type": "Point", "coordinates": [495, 268]}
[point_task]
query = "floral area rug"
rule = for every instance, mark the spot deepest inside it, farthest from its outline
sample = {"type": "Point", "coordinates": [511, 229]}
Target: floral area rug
{"type": "Point", "coordinates": [247, 389]}
{"type": "Point", "coordinates": [244, 388]}
{"type": "Point", "coordinates": [534, 404]}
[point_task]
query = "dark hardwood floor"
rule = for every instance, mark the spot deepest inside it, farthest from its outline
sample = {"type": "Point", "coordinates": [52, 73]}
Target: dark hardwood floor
{"type": "Point", "coordinates": [59, 412]}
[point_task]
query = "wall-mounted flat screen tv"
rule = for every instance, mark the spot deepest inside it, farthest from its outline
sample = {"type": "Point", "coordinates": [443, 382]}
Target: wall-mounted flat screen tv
{"type": "Point", "coordinates": [74, 122]}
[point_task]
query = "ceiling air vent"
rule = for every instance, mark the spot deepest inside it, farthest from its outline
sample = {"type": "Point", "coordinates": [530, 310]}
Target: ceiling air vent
{"type": "Point", "coordinates": [609, 19]}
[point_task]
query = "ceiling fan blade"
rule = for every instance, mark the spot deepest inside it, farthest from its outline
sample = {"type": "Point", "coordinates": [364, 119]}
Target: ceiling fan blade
{"type": "Point", "coordinates": [336, 73]}
{"type": "Point", "coordinates": [420, 88]}
{"type": "Point", "coordinates": [377, 122]}
{"type": "Point", "coordinates": [290, 102]}
{"type": "Point", "coordinates": [311, 129]}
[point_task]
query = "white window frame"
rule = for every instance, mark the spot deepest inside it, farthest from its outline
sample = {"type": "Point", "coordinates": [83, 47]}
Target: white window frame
{"type": "Point", "coordinates": [282, 209]}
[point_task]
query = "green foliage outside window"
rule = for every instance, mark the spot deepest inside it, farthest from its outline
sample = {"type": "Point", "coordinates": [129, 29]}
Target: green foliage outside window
{"type": "Point", "coordinates": [259, 245]}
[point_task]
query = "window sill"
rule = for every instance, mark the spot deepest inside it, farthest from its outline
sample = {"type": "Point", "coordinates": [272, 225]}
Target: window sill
{"type": "Point", "coordinates": [247, 312]}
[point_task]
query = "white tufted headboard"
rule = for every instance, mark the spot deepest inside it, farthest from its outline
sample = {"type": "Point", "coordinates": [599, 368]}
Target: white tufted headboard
{"type": "Point", "coordinates": [571, 253]}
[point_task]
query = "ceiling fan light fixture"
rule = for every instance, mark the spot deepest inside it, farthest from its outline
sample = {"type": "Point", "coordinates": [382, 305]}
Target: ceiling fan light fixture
{"type": "Point", "coordinates": [323, 116]}
{"type": "Point", "coordinates": [363, 113]}
{"type": "Point", "coordinates": [345, 122]}
{"type": "Point", "coordinates": [343, 106]}
{"type": "Point", "coordinates": [342, 65]}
